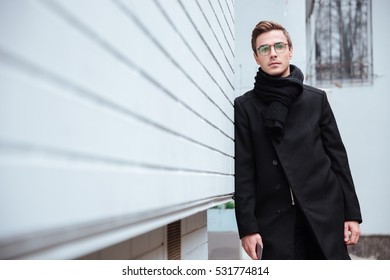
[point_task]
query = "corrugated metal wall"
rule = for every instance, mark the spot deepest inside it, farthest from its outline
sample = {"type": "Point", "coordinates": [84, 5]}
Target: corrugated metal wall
{"type": "Point", "coordinates": [111, 112]}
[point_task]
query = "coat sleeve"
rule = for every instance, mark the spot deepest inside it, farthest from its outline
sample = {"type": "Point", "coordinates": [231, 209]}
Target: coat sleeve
{"type": "Point", "coordinates": [245, 196]}
{"type": "Point", "coordinates": [335, 150]}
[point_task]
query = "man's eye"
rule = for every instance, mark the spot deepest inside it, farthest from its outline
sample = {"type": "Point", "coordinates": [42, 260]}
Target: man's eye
{"type": "Point", "coordinates": [279, 46]}
{"type": "Point", "coordinates": [264, 48]}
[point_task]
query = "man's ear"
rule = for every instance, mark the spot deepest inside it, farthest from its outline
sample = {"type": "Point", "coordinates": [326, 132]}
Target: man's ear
{"type": "Point", "coordinates": [256, 58]}
{"type": "Point", "coordinates": [291, 53]}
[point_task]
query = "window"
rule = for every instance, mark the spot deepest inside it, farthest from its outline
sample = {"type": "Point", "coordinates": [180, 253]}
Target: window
{"type": "Point", "coordinates": [342, 37]}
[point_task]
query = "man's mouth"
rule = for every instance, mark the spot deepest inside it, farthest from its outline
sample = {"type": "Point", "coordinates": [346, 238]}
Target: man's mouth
{"type": "Point", "coordinates": [273, 63]}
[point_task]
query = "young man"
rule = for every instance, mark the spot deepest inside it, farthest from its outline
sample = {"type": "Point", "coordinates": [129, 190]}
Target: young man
{"type": "Point", "coordinates": [294, 192]}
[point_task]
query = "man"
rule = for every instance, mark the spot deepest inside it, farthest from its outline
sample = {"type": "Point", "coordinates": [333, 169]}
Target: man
{"type": "Point", "coordinates": [294, 192]}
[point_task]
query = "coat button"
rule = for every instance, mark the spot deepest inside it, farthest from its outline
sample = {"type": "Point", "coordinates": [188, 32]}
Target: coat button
{"type": "Point", "coordinates": [278, 187]}
{"type": "Point", "coordinates": [274, 162]}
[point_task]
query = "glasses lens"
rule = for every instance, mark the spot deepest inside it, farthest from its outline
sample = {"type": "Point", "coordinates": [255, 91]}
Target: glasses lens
{"type": "Point", "coordinates": [264, 49]}
{"type": "Point", "coordinates": [280, 47]}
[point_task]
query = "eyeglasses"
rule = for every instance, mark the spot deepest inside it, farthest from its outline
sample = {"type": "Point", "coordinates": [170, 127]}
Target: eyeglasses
{"type": "Point", "coordinates": [279, 47]}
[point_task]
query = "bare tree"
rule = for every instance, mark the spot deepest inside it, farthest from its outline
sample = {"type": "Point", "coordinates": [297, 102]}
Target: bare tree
{"type": "Point", "coordinates": [342, 41]}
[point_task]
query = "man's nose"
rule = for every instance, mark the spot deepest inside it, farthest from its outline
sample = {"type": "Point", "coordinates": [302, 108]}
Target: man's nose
{"type": "Point", "coordinates": [272, 51]}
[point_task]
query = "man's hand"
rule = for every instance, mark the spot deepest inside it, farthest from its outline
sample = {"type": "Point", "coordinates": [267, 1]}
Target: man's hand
{"type": "Point", "coordinates": [351, 232]}
{"type": "Point", "coordinates": [249, 244]}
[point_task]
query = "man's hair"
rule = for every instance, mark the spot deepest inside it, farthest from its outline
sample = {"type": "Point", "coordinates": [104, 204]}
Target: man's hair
{"type": "Point", "coordinates": [266, 26]}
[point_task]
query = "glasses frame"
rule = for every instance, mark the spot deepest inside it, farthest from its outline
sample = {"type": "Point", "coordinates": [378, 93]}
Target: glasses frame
{"type": "Point", "coordinates": [277, 51]}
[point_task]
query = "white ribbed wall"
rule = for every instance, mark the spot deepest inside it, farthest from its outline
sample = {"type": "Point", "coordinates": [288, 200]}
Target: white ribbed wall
{"type": "Point", "coordinates": [116, 118]}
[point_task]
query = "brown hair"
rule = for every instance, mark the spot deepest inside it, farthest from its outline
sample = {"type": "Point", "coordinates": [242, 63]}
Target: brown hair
{"type": "Point", "coordinates": [266, 26]}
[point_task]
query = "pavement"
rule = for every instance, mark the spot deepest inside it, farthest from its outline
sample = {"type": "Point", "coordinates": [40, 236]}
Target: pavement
{"type": "Point", "coordinates": [227, 246]}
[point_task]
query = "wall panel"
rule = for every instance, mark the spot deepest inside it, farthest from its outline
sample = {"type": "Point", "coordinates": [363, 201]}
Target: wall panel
{"type": "Point", "coordinates": [116, 118]}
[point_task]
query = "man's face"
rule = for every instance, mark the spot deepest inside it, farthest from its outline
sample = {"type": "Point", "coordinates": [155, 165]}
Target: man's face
{"type": "Point", "coordinates": [274, 63]}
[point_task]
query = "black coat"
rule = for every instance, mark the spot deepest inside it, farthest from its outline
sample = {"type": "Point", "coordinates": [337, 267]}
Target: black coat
{"type": "Point", "coordinates": [309, 165]}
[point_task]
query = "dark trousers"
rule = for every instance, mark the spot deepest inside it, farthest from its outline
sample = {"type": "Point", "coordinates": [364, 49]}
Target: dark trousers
{"type": "Point", "coordinates": [306, 246]}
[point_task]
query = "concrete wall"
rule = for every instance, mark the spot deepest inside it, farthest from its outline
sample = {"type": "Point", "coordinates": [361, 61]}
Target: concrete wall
{"type": "Point", "coordinates": [153, 245]}
{"type": "Point", "coordinates": [150, 245]}
{"type": "Point", "coordinates": [194, 244]}
{"type": "Point", "coordinates": [363, 117]}
{"type": "Point", "coordinates": [116, 118]}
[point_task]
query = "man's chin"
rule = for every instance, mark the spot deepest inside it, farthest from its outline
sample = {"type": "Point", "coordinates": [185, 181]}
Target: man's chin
{"type": "Point", "coordinates": [277, 71]}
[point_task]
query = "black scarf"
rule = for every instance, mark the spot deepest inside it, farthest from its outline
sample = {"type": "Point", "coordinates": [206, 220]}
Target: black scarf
{"type": "Point", "coordinates": [279, 93]}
